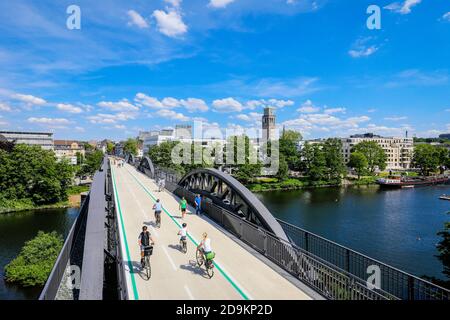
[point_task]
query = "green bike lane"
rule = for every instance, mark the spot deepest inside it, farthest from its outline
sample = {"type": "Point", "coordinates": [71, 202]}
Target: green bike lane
{"type": "Point", "coordinates": [238, 274]}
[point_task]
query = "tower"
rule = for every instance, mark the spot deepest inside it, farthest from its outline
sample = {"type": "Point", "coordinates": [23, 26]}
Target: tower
{"type": "Point", "coordinates": [268, 124]}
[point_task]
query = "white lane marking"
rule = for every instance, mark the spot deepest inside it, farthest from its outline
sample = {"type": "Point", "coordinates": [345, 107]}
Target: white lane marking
{"type": "Point", "coordinates": [186, 288]}
{"type": "Point", "coordinates": [195, 240]}
{"type": "Point", "coordinates": [140, 207]}
{"type": "Point", "coordinates": [170, 259]}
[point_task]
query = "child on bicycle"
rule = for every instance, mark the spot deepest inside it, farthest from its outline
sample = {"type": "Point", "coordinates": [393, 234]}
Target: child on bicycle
{"type": "Point", "coordinates": [183, 232]}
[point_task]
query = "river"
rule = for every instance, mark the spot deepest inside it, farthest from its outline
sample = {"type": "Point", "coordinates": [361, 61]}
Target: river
{"type": "Point", "coordinates": [19, 227]}
{"type": "Point", "coordinates": [397, 227]}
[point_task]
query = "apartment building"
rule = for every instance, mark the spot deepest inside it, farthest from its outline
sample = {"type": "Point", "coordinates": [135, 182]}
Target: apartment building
{"type": "Point", "coordinates": [399, 151]}
{"type": "Point", "coordinates": [68, 149]}
{"type": "Point", "coordinates": [42, 139]}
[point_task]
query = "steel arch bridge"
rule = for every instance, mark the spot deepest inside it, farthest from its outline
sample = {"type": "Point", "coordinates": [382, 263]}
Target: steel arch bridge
{"type": "Point", "coordinates": [227, 192]}
{"type": "Point", "coordinates": [130, 158]}
{"type": "Point", "coordinates": [146, 166]}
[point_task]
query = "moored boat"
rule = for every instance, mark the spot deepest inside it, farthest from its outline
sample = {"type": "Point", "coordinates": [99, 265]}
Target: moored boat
{"type": "Point", "coordinates": [411, 182]}
{"type": "Point", "coordinates": [444, 197]}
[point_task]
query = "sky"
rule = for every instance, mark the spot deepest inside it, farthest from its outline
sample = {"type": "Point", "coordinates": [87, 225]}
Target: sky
{"type": "Point", "coordinates": [151, 64]}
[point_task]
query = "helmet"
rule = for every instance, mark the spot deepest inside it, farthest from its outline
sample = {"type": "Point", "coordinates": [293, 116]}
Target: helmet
{"type": "Point", "coordinates": [157, 200]}
{"type": "Point", "coordinates": [184, 225]}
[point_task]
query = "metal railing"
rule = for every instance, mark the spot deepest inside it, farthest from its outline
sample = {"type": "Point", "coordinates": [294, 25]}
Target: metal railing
{"type": "Point", "coordinates": [53, 282]}
{"type": "Point", "coordinates": [334, 271]}
{"type": "Point", "coordinates": [396, 282]}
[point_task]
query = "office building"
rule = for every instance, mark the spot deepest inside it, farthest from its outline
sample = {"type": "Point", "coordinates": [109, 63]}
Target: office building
{"type": "Point", "coordinates": [42, 139]}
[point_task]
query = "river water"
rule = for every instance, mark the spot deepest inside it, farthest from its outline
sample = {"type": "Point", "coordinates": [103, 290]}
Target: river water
{"type": "Point", "coordinates": [16, 229]}
{"type": "Point", "coordinates": [397, 227]}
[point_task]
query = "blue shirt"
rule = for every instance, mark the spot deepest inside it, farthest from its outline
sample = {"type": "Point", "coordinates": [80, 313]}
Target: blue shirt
{"type": "Point", "coordinates": [198, 201]}
{"type": "Point", "coordinates": [158, 206]}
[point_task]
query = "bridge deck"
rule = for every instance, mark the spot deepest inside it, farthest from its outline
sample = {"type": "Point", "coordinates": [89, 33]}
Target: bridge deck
{"type": "Point", "coordinates": [238, 275]}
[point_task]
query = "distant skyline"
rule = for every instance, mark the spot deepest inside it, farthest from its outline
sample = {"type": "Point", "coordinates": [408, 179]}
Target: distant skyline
{"type": "Point", "coordinates": [142, 65]}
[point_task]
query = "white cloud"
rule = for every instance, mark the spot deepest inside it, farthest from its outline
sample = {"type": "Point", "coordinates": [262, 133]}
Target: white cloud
{"type": "Point", "coordinates": [80, 129]}
{"type": "Point", "coordinates": [194, 104]}
{"type": "Point", "coordinates": [251, 117]}
{"type": "Point", "coordinates": [334, 110]}
{"type": "Point", "coordinates": [402, 8]}
{"type": "Point", "coordinates": [5, 107]}
{"type": "Point", "coordinates": [446, 16]}
{"type": "Point", "coordinates": [360, 48]}
{"type": "Point", "coordinates": [175, 3]}
{"type": "Point", "coordinates": [136, 19]}
{"type": "Point", "coordinates": [170, 114]}
{"type": "Point", "coordinates": [227, 105]}
{"type": "Point", "coordinates": [170, 23]}
{"type": "Point", "coordinates": [148, 101]}
{"type": "Point", "coordinates": [308, 107]}
{"type": "Point", "coordinates": [110, 118]}
{"type": "Point", "coordinates": [29, 99]}
{"type": "Point", "coordinates": [395, 118]}
{"type": "Point", "coordinates": [50, 121]}
{"type": "Point", "coordinates": [252, 104]}
{"type": "Point", "coordinates": [70, 108]}
{"type": "Point", "coordinates": [219, 3]}
{"type": "Point", "coordinates": [123, 105]}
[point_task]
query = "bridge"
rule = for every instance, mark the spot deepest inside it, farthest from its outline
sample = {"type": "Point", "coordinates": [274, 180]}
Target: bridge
{"type": "Point", "coordinates": [257, 256]}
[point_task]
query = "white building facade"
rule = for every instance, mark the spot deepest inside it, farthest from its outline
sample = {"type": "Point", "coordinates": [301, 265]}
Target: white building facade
{"type": "Point", "coordinates": [42, 139]}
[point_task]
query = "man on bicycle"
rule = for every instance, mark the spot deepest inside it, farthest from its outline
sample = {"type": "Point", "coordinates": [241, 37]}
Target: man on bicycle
{"type": "Point", "coordinates": [205, 247]}
{"type": "Point", "coordinates": [145, 240]}
{"type": "Point", "coordinates": [158, 208]}
{"type": "Point", "coordinates": [183, 233]}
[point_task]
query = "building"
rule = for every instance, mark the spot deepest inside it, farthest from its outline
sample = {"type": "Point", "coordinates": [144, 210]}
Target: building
{"type": "Point", "coordinates": [399, 151]}
{"type": "Point", "coordinates": [42, 139]}
{"type": "Point", "coordinates": [68, 149]}
{"type": "Point", "coordinates": [444, 136]}
{"type": "Point", "coordinates": [268, 124]}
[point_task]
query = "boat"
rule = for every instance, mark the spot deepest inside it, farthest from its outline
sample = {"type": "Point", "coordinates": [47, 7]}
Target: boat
{"type": "Point", "coordinates": [411, 182]}
{"type": "Point", "coordinates": [444, 197]}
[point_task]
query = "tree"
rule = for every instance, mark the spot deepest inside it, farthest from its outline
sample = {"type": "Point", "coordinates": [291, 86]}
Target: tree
{"type": "Point", "coordinates": [358, 161]}
{"type": "Point", "coordinates": [375, 155]}
{"type": "Point", "coordinates": [109, 147]}
{"type": "Point", "coordinates": [35, 261]}
{"type": "Point", "coordinates": [314, 161]}
{"type": "Point", "coordinates": [248, 167]}
{"type": "Point", "coordinates": [29, 172]}
{"type": "Point", "coordinates": [131, 146]}
{"type": "Point", "coordinates": [288, 143]}
{"type": "Point", "coordinates": [427, 158]}
{"type": "Point", "coordinates": [283, 168]}
{"type": "Point", "coordinates": [334, 159]}
{"type": "Point", "coordinates": [444, 248]}
{"type": "Point", "coordinates": [92, 163]}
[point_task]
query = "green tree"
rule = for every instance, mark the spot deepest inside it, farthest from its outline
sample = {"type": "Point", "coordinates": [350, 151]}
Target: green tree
{"type": "Point", "coordinates": [92, 163]}
{"type": "Point", "coordinates": [35, 261]}
{"type": "Point", "coordinates": [332, 149]}
{"type": "Point", "coordinates": [427, 158]}
{"type": "Point", "coordinates": [29, 172]}
{"type": "Point", "coordinates": [283, 168]}
{"type": "Point", "coordinates": [109, 147]}
{"type": "Point", "coordinates": [288, 144]}
{"type": "Point", "coordinates": [358, 161]}
{"type": "Point", "coordinates": [314, 162]}
{"type": "Point", "coordinates": [131, 146]}
{"type": "Point", "coordinates": [248, 167]}
{"type": "Point", "coordinates": [375, 155]}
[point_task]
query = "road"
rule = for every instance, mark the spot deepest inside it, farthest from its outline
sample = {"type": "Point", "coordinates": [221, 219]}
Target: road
{"type": "Point", "coordinates": [175, 275]}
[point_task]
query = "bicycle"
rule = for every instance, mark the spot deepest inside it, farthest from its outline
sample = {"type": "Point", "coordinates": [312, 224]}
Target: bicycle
{"type": "Point", "coordinates": [209, 263]}
{"type": "Point", "coordinates": [183, 245]}
{"type": "Point", "coordinates": [158, 219]}
{"type": "Point", "coordinates": [148, 251]}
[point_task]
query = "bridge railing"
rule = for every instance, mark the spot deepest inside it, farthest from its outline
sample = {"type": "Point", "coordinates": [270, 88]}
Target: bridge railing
{"type": "Point", "coordinates": [333, 270]}
{"type": "Point", "coordinates": [397, 282]}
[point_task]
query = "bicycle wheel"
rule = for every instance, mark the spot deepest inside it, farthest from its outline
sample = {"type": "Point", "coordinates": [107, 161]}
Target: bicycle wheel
{"type": "Point", "coordinates": [210, 269]}
{"type": "Point", "coordinates": [185, 246]}
{"type": "Point", "coordinates": [148, 268]}
{"type": "Point", "coordinates": [199, 256]}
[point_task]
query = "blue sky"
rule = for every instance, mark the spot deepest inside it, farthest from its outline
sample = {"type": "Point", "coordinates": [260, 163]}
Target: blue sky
{"type": "Point", "coordinates": [141, 65]}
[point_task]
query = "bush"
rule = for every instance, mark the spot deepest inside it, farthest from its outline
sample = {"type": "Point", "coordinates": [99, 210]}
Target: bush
{"type": "Point", "coordinates": [35, 261]}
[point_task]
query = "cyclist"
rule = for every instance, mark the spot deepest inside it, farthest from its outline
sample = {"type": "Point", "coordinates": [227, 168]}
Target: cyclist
{"type": "Point", "coordinates": [158, 208]}
{"type": "Point", "coordinates": [145, 240]}
{"type": "Point", "coordinates": [205, 247]}
{"type": "Point", "coordinates": [183, 206]}
{"type": "Point", "coordinates": [183, 233]}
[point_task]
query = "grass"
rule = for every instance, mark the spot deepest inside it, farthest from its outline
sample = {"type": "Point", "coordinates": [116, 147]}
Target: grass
{"type": "Point", "coordinates": [289, 184]}
{"type": "Point", "coordinates": [77, 190]}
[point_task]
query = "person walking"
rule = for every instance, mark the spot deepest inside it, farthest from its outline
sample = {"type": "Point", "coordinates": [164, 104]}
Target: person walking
{"type": "Point", "coordinates": [183, 206]}
{"type": "Point", "coordinates": [198, 204]}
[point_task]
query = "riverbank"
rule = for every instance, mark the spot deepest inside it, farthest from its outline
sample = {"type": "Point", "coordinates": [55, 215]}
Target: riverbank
{"type": "Point", "coordinates": [272, 184]}
{"type": "Point", "coordinates": [73, 201]}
